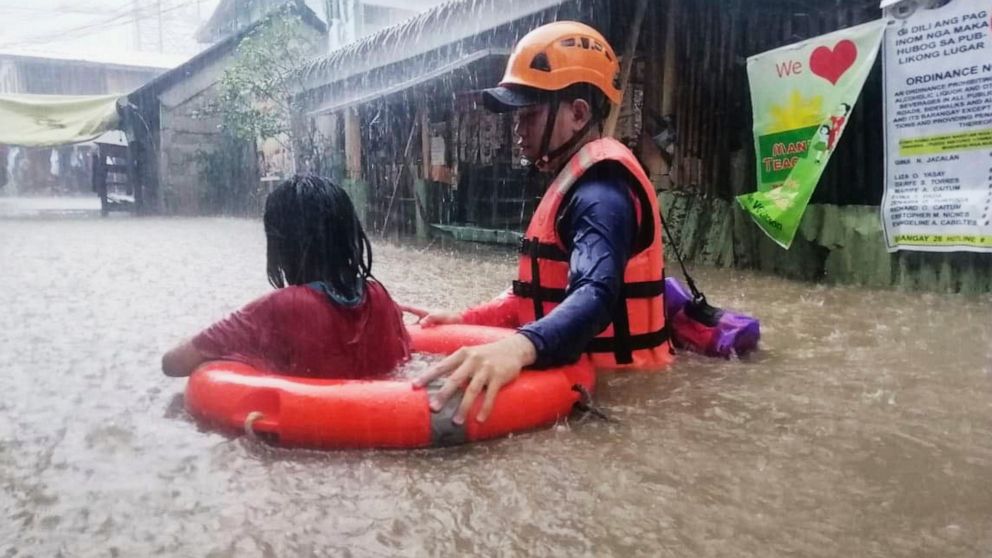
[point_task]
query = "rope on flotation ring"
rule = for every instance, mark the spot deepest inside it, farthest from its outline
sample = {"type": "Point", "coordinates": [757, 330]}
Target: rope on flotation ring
{"type": "Point", "coordinates": [250, 424]}
{"type": "Point", "coordinates": [585, 405]}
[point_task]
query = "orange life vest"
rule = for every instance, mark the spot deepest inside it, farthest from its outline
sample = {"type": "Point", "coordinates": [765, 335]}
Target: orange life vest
{"type": "Point", "coordinates": [637, 336]}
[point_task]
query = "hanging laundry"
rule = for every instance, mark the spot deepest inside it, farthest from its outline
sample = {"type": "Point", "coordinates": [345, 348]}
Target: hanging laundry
{"type": "Point", "coordinates": [488, 138]}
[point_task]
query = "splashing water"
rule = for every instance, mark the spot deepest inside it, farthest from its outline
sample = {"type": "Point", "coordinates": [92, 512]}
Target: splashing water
{"type": "Point", "coordinates": [418, 364]}
{"type": "Point", "coordinates": [859, 429]}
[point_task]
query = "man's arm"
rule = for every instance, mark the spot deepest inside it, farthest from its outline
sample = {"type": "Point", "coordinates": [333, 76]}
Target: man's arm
{"type": "Point", "coordinates": [247, 334]}
{"type": "Point", "coordinates": [601, 218]}
{"type": "Point", "coordinates": [498, 312]}
{"type": "Point", "coordinates": [601, 222]}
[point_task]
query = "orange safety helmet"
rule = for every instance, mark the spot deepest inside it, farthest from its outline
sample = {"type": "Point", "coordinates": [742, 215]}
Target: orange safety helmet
{"type": "Point", "coordinates": [554, 57]}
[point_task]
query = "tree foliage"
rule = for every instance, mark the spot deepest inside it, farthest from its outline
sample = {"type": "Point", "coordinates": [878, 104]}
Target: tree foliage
{"type": "Point", "coordinates": [253, 102]}
{"type": "Point", "coordinates": [255, 93]}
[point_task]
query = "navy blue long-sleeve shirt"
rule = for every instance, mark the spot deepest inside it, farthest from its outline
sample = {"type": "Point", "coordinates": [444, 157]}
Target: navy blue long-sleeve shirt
{"type": "Point", "coordinates": [597, 226]}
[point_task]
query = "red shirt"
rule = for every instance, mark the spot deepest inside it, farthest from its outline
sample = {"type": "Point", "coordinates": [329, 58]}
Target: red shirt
{"type": "Point", "coordinates": [299, 331]}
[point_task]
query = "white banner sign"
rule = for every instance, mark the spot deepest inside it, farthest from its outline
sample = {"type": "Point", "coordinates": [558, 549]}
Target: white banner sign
{"type": "Point", "coordinates": [938, 113]}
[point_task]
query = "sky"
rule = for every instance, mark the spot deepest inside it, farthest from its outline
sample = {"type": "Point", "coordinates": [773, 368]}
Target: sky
{"type": "Point", "coordinates": [141, 32]}
{"type": "Point", "coordinates": [103, 27]}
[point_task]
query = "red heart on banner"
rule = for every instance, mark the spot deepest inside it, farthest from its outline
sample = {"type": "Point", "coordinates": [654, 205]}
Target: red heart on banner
{"type": "Point", "coordinates": [830, 64]}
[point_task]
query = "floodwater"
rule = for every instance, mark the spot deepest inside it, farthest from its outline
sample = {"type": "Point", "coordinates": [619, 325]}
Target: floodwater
{"type": "Point", "coordinates": [862, 427]}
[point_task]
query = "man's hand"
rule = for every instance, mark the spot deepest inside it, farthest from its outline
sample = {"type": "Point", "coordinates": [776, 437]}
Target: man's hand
{"type": "Point", "coordinates": [428, 318]}
{"type": "Point", "coordinates": [484, 367]}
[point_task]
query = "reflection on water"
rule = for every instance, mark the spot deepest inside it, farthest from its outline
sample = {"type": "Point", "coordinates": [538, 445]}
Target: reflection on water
{"type": "Point", "coordinates": [80, 206]}
{"type": "Point", "coordinates": [860, 429]}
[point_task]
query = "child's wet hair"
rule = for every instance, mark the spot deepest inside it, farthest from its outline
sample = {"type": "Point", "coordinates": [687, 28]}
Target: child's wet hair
{"type": "Point", "coordinates": [313, 234]}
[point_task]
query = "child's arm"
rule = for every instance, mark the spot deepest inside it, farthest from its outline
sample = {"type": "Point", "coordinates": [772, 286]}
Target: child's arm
{"type": "Point", "coordinates": [500, 312]}
{"type": "Point", "coordinates": [248, 335]}
{"type": "Point", "coordinates": [183, 359]}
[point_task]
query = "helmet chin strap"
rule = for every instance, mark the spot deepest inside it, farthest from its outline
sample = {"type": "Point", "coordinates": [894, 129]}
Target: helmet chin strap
{"type": "Point", "coordinates": [545, 157]}
{"type": "Point", "coordinates": [564, 148]}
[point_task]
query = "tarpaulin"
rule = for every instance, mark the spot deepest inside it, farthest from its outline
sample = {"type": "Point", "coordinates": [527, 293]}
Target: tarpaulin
{"type": "Point", "coordinates": [46, 120]}
{"type": "Point", "coordinates": [802, 96]}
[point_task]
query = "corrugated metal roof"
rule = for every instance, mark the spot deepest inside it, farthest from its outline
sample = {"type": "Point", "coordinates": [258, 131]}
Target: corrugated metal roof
{"type": "Point", "coordinates": [353, 96]}
{"type": "Point", "coordinates": [126, 59]}
{"type": "Point", "coordinates": [435, 28]}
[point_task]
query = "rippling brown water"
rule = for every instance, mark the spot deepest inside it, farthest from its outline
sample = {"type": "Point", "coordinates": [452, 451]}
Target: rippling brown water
{"type": "Point", "coordinates": [862, 428]}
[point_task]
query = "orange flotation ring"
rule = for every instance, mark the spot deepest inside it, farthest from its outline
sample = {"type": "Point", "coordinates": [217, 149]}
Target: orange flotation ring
{"type": "Point", "coordinates": [328, 414]}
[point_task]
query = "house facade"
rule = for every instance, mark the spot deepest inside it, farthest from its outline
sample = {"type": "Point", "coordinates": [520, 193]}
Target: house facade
{"type": "Point", "coordinates": [176, 140]}
{"type": "Point", "coordinates": [64, 169]}
{"type": "Point", "coordinates": [404, 132]}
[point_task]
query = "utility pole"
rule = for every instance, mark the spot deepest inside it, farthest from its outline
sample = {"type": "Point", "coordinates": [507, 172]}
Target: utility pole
{"type": "Point", "coordinates": [161, 46]}
{"type": "Point", "coordinates": [137, 25]}
{"type": "Point", "coordinates": [358, 15]}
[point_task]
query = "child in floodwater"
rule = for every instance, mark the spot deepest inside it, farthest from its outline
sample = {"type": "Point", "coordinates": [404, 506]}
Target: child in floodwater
{"type": "Point", "coordinates": [328, 317]}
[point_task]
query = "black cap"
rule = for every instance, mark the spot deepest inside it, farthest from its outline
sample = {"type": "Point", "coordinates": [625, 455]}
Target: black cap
{"type": "Point", "coordinates": [509, 98]}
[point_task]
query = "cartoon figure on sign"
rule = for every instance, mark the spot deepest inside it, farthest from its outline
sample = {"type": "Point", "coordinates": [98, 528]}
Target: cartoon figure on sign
{"type": "Point", "coordinates": [822, 143]}
{"type": "Point", "coordinates": [837, 122]}
{"type": "Point", "coordinates": [827, 134]}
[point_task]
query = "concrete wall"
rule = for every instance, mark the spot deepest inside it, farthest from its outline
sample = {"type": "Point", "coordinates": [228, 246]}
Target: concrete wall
{"type": "Point", "coordinates": [186, 136]}
{"type": "Point", "coordinates": [183, 138]}
{"type": "Point", "coordinates": [835, 244]}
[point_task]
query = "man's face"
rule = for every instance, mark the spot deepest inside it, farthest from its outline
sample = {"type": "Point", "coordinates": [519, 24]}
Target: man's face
{"type": "Point", "coordinates": [529, 126]}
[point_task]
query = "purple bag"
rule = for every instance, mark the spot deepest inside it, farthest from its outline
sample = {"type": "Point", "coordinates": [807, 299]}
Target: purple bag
{"type": "Point", "coordinates": [704, 329]}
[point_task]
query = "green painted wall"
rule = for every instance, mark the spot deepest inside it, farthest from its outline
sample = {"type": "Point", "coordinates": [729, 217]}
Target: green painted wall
{"type": "Point", "coordinates": [358, 191]}
{"type": "Point", "coordinates": [834, 244]}
{"type": "Point", "coordinates": [478, 234]}
{"type": "Point", "coordinates": [421, 189]}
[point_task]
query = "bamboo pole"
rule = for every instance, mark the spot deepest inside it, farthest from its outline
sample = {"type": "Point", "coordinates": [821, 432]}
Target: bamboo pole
{"type": "Point", "coordinates": [670, 76]}
{"type": "Point", "coordinates": [685, 106]}
{"type": "Point", "coordinates": [419, 212]}
{"type": "Point", "coordinates": [399, 170]}
{"type": "Point", "coordinates": [353, 144]}
{"type": "Point", "coordinates": [425, 140]}
{"type": "Point", "coordinates": [628, 63]}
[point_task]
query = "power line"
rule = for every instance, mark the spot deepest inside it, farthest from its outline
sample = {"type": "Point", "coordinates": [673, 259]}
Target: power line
{"type": "Point", "coordinates": [72, 31]}
{"type": "Point", "coordinates": [76, 10]}
{"type": "Point", "coordinates": [124, 17]}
